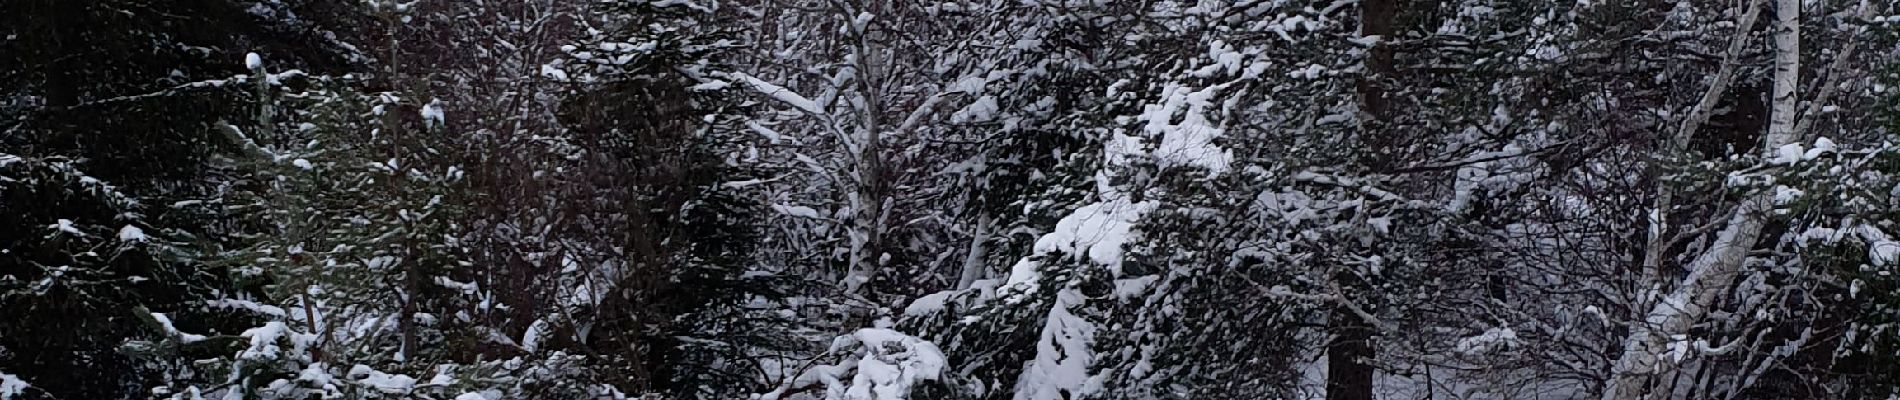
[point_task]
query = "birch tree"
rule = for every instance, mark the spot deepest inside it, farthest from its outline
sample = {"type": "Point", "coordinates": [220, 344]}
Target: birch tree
{"type": "Point", "coordinates": [1716, 268]}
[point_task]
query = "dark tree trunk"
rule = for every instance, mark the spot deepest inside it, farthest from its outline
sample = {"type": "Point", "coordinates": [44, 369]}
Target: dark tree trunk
{"type": "Point", "coordinates": [1350, 353]}
{"type": "Point", "coordinates": [1349, 357]}
{"type": "Point", "coordinates": [62, 84]}
{"type": "Point", "coordinates": [1375, 19]}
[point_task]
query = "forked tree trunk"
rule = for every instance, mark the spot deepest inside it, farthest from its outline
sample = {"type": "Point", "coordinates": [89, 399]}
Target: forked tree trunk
{"type": "Point", "coordinates": [1636, 373]}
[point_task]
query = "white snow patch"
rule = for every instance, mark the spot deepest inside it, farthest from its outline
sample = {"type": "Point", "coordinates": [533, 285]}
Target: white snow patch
{"type": "Point", "coordinates": [432, 115]}
{"type": "Point", "coordinates": [1677, 348]}
{"type": "Point", "coordinates": [1821, 146]}
{"type": "Point", "coordinates": [1126, 289]}
{"type": "Point", "coordinates": [1022, 279]}
{"type": "Point", "coordinates": [253, 306]}
{"type": "Point", "coordinates": [796, 211]}
{"type": "Point", "coordinates": [1881, 249]}
{"type": "Point", "coordinates": [780, 93]}
{"type": "Point", "coordinates": [66, 225]}
{"type": "Point", "coordinates": [879, 364]}
{"type": "Point", "coordinates": [1491, 340]}
{"type": "Point", "coordinates": [553, 72]}
{"type": "Point", "coordinates": [1226, 60]}
{"type": "Point", "coordinates": [1312, 71]}
{"type": "Point", "coordinates": [1785, 195]}
{"type": "Point", "coordinates": [1823, 235]}
{"type": "Point", "coordinates": [983, 109]}
{"type": "Point", "coordinates": [442, 376]}
{"type": "Point", "coordinates": [316, 374]}
{"type": "Point", "coordinates": [1060, 369]}
{"type": "Point", "coordinates": [131, 234]}
{"type": "Point", "coordinates": [929, 304]}
{"type": "Point", "coordinates": [893, 362]}
{"type": "Point", "coordinates": [166, 322]}
{"type": "Point", "coordinates": [12, 387]}
{"type": "Point", "coordinates": [532, 338]}
{"type": "Point", "coordinates": [264, 341]}
{"type": "Point", "coordinates": [384, 382]}
{"type": "Point", "coordinates": [1097, 231]}
{"type": "Point", "coordinates": [767, 132]}
{"type": "Point", "coordinates": [1189, 141]}
{"type": "Point", "coordinates": [742, 184]}
{"type": "Point", "coordinates": [1787, 154]}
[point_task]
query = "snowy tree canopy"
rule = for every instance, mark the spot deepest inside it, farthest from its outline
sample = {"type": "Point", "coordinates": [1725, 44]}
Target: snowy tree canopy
{"type": "Point", "coordinates": [967, 199]}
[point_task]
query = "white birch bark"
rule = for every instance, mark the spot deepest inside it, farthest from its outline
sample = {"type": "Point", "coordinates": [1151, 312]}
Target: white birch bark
{"type": "Point", "coordinates": [1659, 242]}
{"type": "Point", "coordinates": [973, 263]}
{"type": "Point", "coordinates": [1716, 269]}
{"type": "Point", "coordinates": [1787, 73]}
{"type": "Point", "coordinates": [868, 200]}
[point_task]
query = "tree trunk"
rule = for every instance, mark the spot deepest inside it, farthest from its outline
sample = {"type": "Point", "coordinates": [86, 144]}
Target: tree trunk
{"type": "Point", "coordinates": [1349, 356]}
{"type": "Point", "coordinates": [1787, 73]}
{"type": "Point", "coordinates": [1375, 19]}
{"type": "Point", "coordinates": [1657, 245]}
{"type": "Point", "coordinates": [62, 73]}
{"type": "Point", "coordinates": [973, 265]}
{"type": "Point", "coordinates": [1715, 270]}
{"type": "Point", "coordinates": [868, 200]}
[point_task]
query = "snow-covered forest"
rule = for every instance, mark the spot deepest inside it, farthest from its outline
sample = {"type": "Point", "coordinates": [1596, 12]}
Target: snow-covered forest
{"type": "Point", "coordinates": [954, 199]}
